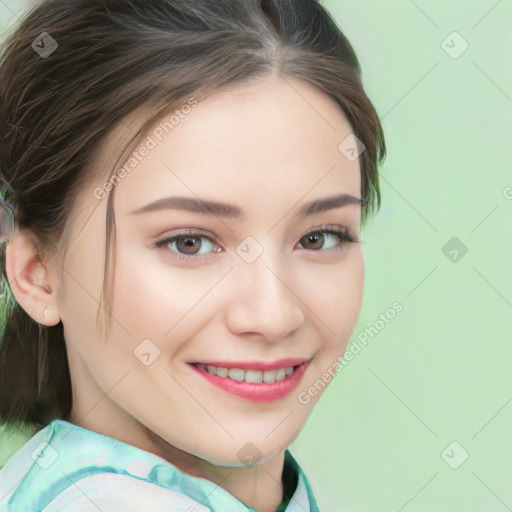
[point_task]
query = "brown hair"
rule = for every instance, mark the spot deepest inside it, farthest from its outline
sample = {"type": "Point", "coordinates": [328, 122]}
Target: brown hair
{"type": "Point", "coordinates": [110, 58]}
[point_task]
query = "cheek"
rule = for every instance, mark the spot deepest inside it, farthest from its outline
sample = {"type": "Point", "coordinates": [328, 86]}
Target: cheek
{"type": "Point", "coordinates": [155, 299]}
{"type": "Point", "coordinates": [144, 302]}
{"type": "Point", "coordinates": [79, 295]}
{"type": "Point", "coordinates": [339, 299]}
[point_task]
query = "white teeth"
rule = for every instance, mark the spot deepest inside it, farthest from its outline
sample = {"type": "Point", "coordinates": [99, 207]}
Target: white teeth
{"type": "Point", "coordinates": [281, 374]}
{"type": "Point", "coordinates": [251, 376]}
{"type": "Point", "coordinates": [221, 372]}
{"type": "Point", "coordinates": [236, 374]}
{"type": "Point", "coordinates": [254, 376]}
{"type": "Point", "coordinates": [269, 376]}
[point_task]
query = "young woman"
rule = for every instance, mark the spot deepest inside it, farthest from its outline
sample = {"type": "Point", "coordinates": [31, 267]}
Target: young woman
{"type": "Point", "coordinates": [184, 184]}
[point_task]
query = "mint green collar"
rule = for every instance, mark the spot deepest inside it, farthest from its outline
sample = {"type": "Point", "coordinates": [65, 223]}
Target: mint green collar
{"type": "Point", "coordinates": [41, 474]}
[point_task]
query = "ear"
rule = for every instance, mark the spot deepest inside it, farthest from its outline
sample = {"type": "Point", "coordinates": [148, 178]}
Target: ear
{"type": "Point", "coordinates": [32, 281]}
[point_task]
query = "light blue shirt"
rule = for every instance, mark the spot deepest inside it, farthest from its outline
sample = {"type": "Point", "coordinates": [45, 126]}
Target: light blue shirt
{"type": "Point", "coordinates": [67, 468]}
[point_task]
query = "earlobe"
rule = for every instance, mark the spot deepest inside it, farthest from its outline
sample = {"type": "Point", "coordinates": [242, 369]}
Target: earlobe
{"type": "Point", "coordinates": [30, 279]}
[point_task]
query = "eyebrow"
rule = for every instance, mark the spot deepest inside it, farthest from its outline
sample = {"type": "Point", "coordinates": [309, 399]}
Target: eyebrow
{"type": "Point", "coordinates": [233, 212]}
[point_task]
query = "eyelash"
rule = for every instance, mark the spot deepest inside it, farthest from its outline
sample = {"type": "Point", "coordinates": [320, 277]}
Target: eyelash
{"type": "Point", "coordinates": [342, 234]}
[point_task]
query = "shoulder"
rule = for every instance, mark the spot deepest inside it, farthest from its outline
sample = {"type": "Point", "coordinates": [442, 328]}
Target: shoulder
{"type": "Point", "coordinates": [119, 493]}
{"type": "Point", "coordinates": [67, 468]}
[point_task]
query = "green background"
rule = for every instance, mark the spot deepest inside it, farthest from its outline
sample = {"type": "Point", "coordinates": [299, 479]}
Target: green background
{"type": "Point", "coordinates": [380, 439]}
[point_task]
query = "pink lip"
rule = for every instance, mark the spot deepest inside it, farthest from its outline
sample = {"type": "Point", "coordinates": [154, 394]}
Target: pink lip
{"type": "Point", "coordinates": [265, 392]}
{"type": "Point", "coordinates": [254, 365]}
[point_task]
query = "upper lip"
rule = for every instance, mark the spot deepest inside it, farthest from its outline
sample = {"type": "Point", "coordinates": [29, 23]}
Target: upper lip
{"type": "Point", "coordinates": [255, 365]}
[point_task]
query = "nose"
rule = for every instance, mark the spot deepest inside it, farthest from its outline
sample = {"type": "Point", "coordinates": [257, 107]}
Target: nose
{"type": "Point", "coordinates": [263, 300]}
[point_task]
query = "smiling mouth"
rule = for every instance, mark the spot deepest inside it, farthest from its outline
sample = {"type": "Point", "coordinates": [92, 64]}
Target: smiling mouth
{"type": "Point", "coordinates": [250, 376]}
{"type": "Point", "coordinates": [253, 384]}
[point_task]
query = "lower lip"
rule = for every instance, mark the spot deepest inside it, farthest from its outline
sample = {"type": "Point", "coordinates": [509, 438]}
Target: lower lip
{"type": "Point", "coordinates": [266, 392]}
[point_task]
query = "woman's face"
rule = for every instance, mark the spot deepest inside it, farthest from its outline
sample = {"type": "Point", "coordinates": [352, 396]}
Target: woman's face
{"type": "Point", "coordinates": [254, 288]}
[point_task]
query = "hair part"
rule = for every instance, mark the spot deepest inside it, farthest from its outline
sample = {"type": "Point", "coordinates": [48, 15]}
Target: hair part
{"type": "Point", "coordinates": [114, 57]}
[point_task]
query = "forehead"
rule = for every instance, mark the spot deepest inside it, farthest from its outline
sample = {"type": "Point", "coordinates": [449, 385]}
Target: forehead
{"type": "Point", "coordinates": [279, 136]}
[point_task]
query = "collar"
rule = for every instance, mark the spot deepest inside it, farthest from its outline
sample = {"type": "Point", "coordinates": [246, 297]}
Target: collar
{"type": "Point", "coordinates": [45, 468]}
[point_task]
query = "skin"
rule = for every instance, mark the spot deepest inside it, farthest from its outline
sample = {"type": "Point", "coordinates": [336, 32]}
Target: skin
{"type": "Point", "coordinates": [268, 149]}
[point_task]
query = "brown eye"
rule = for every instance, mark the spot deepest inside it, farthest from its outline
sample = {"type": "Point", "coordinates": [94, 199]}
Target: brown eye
{"type": "Point", "coordinates": [315, 239]}
{"type": "Point", "coordinates": [318, 238]}
{"type": "Point", "coordinates": [187, 246]}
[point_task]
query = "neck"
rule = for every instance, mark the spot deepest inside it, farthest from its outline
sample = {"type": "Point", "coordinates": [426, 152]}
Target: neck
{"type": "Point", "coordinates": [257, 486]}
